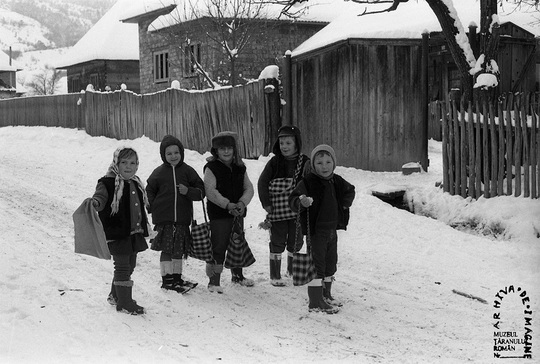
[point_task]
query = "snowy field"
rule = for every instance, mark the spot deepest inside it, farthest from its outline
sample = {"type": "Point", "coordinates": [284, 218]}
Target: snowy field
{"type": "Point", "coordinates": [399, 274]}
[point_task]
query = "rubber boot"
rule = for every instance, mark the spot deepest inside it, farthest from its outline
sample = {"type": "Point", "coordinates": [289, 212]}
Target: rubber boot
{"type": "Point", "coordinates": [238, 278]}
{"type": "Point", "coordinates": [112, 298]}
{"type": "Point", "coordinates": [327, 292]}
{"type": "Point", "coordinates": [213, 271]}
{"type": "Point", "coordinates": [179, 282]}
{"type": "Point", "coordinates": [167, 282]}
{"type": "Point", "coordinates": [289, 263]}
{"type": "Point", "coordinates": [275, 270]}
{"type": "Point", "coordinates": [317, 303]}
{"type": "Point", "coordinates": [125, 302]}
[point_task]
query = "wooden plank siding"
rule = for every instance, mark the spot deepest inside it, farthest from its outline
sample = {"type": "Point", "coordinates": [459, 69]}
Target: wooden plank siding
{"type": "Point", "coordinates": [194, 117]}
{"type": "Point", "coordinates": [363, 97]}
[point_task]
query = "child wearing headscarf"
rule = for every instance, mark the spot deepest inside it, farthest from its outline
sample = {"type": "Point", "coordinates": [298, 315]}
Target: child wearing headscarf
{"type": "Point", "coordinates": [326, 197]}
{"type": "Point", "coordinates": [120, 199]}
{"type": "Point", "coordinates": [228, 191]}
{"type": "Point", "coordinates": [172, 187]}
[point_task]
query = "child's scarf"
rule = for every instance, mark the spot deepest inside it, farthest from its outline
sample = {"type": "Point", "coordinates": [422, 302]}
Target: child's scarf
{"type": "Point", "coordinates": [113, 171]}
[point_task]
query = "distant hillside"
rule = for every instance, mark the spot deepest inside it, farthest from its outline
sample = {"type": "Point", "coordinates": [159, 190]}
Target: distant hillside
{"type": "Point", "coordinates": [27, 25]}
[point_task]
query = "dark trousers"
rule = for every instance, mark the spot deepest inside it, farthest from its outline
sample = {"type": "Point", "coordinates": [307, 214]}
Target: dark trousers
{"type": "Point", "coordinates": [283, 234]}
{"type": "Point", "coordinates": [220, 235]}
{"type": "Point", "coordinates": [124, 265]}
{"type": "Point", "coordinates": [324, 251]}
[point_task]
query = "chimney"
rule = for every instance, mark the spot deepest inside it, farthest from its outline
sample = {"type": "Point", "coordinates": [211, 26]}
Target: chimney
{"type": "Point", "coordinates": [10, 55]}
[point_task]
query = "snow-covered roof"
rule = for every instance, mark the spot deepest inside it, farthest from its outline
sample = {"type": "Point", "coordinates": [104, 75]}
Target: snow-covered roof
{"type": "Point", "coordinates": [409, 21]}
{"type": "Point", "coordinates": [108, 39]}
{"type": "Point", "coordinates": [323, 11]}
{"type": "Point", "coordinates": [4, 64]}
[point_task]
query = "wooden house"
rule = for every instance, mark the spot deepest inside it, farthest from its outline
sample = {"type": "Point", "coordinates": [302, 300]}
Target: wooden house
{"type": "Point", "coordinates": [363, 83]}
{"type": "Point", "coordinates": [516, 57]}
{"type": "Point", "coordinates": [106, 57]}
{"type": "Point", "coordinates": [8, 77]}
{"type": "Point", "coordinates": [165, 58]}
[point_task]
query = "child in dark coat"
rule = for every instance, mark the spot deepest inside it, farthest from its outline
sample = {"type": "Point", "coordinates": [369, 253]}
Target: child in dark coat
{"type": "Point", "coordinates": [172, 187]}
{"type": "Point", "coordinates": [228, 191]}
{"type": "Point", "coordinates": [280, 176]}
{"type": "Point", "coordinates": [326, 198]}
{"type": "Point", "coordinates": [120, 199]}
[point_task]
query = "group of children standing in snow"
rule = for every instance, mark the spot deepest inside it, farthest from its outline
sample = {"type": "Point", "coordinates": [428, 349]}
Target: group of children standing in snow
{"type": "Point", "coordinates": [290, 184]}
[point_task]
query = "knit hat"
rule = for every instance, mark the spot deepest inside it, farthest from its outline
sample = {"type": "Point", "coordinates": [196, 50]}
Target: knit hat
{"type": "Point", "coordinates": [288, 130]}
{"type": "Point", "coordinates": [323, 148]}
{"type": "Point", "coordinates": [167, 141]}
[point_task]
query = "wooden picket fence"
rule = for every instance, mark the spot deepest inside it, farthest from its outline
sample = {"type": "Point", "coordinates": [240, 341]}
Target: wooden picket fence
{"type": "Point", "coordinates": [194, 117]}
{"type": "Point", "coordinates": [492, 149]}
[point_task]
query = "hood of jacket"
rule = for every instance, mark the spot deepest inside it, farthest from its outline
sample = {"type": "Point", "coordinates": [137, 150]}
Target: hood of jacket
{"type": "Point", "coordinates": [167, 141]}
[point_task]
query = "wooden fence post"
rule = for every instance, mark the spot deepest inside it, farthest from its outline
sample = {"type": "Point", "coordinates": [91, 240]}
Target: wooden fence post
{"type": "Point", "coordinates": [273, 113]}
{"type": "Point", "coordinates": [287, 89]}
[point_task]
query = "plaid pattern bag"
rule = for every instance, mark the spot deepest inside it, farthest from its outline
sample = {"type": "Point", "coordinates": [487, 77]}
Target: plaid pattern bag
{"type": "Point", "coordinates": [201, 245]}
{"type": "Point", "coordinates": [239, 254]}
{"type": "Point", "coordinates": [303, 268]}
{"type": "Point", "coordinates": [280, 189]}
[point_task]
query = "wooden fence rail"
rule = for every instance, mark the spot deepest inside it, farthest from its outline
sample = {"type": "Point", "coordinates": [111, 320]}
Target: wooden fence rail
{"type": "Point", "coordinates": [493, 150]}
{"type": "Point", "coordinates": [194, 117]}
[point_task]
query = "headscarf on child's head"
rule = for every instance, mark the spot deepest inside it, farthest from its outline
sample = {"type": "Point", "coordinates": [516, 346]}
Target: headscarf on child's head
{"type": "Point", "coordinates": [226, 139]}
{"type": "Point", "coordinates": [288, 130]}
{"type": "Point", "coordinates": [323, 149]}
{"type": "Point", "coordinates": [113, 171]}
{"type": "Point", "coordinates": [167, 141]}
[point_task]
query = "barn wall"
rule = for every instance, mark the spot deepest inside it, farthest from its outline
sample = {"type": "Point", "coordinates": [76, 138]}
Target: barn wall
{"type": "Point", "coordinates": [363, 97]}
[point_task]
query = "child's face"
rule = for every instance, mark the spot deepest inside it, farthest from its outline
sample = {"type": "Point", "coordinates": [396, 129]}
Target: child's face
{"type": "Point", "coordinates": [128, 167]}
{"type": "Point", "coordinates": [324, 165]}
{"type": "Point", "coordinates": [287, 145]}
{"type": "Point", "coordinates": [172, 155]}
{"type": "Point", "coordinates": [225, 154]}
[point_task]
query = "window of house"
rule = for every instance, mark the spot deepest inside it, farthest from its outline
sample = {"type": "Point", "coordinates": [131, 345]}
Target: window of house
{"type": "Point", "coordinates": [94, 80]}
{"type": "Point", "coordinates": [192, 56]}
{"type": "Point", "coordinates": [74, 84]}
{"type": "Point", "coordinates": [161, 66]}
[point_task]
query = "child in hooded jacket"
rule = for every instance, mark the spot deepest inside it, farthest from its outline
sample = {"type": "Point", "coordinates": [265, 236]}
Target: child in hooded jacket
{"type": "Point", "coordinates": [228, 191]}
{"type": "Point", "coordinates": [324, 199]}
{"type": "Point", "coordinates": [280, 176]}
{"type": "Point", "coordinates": [172, 187]}
{"type": "Point", "coordinates": [120, 199]}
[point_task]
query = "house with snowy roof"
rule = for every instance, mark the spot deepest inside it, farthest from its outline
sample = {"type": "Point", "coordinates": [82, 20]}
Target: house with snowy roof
{"type": "Point", "coordinates": [165, 58]}
{"type": "Point", "coordinates": [8, 77]}
{"type": "Point", "coordinates": [106, 57]}
{"type": "Point", "coordinates": [363, 83]}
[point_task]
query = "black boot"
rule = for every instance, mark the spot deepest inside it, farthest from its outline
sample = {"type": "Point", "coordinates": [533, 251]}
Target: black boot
{"type": "Point", "coordinates": [180, 284]}
{"type": "Point", "coordinates": [327, 294]}
{"type": "Point", "coordinates": [112, 298]}
{"type": "Point", "coordinates": [125, 302]}
{"type": "Point", "coordinates": [213, 271]}
{"type": "Point", "coordinates": [238, 277]}
{"type": "Point", "coordinates": [289, 264]}
{"type": "Point", "coordinates": [317, 303]}
{"type": "Point", "coordinates": [275, 270]}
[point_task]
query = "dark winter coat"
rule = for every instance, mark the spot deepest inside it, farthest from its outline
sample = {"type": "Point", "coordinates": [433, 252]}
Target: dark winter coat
{"type": "Point", "coordinates": [314, 187]}
{"type": "Point", "coordinates": [118, 226]}
{"type": "Point", "coordinates": [167, 204]}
